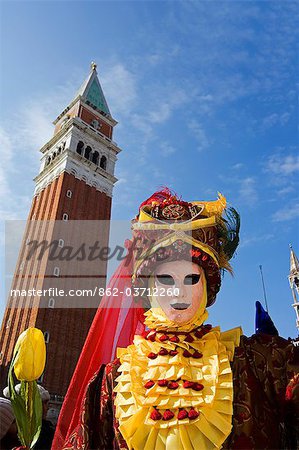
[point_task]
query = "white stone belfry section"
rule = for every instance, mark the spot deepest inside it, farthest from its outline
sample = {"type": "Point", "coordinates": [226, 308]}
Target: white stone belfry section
{"type": "Point", "coordinates": [294, 283]}
{"type": "Point", "coordinates": [79, 147]}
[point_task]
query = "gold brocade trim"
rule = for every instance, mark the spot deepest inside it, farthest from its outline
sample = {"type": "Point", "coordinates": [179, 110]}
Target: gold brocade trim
{"type": "Point", "coordinates": [135, 403]}
{"type": "Point", "coordinates": [147, 222]}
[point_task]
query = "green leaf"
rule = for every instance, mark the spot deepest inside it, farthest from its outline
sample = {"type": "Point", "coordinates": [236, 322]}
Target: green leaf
{"type": "Point", "coordinates": [27, 407]}
{"type": "Point", "coordinates": [37, 409]}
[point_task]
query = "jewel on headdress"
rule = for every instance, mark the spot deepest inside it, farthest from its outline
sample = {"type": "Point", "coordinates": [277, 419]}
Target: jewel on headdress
{"type": "Point", "coordinates": [179, 245]}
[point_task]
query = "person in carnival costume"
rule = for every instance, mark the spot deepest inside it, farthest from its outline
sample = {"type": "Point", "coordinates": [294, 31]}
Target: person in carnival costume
{"type": "Point", "coordinates": [177, 382]}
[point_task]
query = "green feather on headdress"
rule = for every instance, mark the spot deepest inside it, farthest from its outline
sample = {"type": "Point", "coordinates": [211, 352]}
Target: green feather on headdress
{"type": "Point", "coordinates": [228, 227]}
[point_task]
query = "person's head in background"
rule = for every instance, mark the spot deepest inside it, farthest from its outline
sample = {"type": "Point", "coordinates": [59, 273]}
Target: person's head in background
{"type": "Point", "coordinates": [45, 396]}
{"type": "Point", "coordinates": [8, 426]}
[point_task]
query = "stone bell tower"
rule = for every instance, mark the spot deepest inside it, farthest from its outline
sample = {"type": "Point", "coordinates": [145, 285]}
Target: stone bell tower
{"type": "Point", "coordinates": [74, 186]}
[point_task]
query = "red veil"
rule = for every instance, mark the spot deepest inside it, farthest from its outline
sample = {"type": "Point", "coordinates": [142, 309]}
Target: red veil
{"type": "Point", "coordinates": [116, 322]}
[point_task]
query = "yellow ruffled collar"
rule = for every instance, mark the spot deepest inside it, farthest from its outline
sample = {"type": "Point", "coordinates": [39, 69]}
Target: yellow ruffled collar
{"type": "Point", "coordinates": [155, 319]}
{"type": "Point", "coordinates": [175, 390]}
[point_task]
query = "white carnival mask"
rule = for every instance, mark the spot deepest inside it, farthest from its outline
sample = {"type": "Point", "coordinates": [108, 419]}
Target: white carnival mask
{"type": "Point", "coordinates": [178, 289]}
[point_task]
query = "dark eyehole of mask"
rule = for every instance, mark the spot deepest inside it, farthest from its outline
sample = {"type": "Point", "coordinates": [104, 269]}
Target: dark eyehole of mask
{"type": "Point", "coordinates": [193, 278]}
{"type": "Point", "coordinates": [165, 279]}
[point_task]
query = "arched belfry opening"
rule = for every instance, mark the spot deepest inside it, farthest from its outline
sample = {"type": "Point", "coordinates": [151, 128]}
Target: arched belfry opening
{"type": "Point", "coordinates": [103, 163]}
{"type": "Point", "coordinates": [95, 158]}
{"type": "Point", "coordinates": [80, 147]}
{"type": "Point", "coordinates": [87, 152]}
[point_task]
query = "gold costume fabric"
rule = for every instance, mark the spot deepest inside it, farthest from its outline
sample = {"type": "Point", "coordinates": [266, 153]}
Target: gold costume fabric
{"type": "Point", "coordinates": [174, 388]}
{"type": "Point", "coordinates": [262, 419]}
{"type": "Point", "coordinates": [176, 394]}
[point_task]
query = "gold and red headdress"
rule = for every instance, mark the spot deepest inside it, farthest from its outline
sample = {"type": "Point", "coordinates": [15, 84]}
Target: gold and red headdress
{"type": "Point", "coordinates": [168, 229]}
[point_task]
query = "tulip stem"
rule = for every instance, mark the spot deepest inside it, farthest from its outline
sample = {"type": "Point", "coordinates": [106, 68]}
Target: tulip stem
{"type": "Point", "coordinates": [30, 406]}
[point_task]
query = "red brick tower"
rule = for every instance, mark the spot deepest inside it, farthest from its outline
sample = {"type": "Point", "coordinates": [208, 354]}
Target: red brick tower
{"type": "Point", "coordinates": [72, 197]}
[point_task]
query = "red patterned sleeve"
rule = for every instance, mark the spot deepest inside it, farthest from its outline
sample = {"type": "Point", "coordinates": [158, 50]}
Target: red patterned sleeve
{"type": "Point", "coordinates": [98, 428]}
{"type": "Point", "coordinates": [103, 435]}
{"type": "Point", "coordinates": [95, 428]}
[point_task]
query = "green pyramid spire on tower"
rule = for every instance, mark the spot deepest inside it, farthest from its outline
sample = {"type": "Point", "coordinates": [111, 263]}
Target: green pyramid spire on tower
{"type": "Point", "coordinates": [91, 91]}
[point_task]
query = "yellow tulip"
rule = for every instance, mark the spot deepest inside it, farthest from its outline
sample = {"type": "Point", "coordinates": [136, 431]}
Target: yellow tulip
{"type": "Point", "coordinates": [30, 355]}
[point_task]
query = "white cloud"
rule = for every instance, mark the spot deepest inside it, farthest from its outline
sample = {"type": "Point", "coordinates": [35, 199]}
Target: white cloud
{"type": "Point", "coordinates": [251, 240]}
{"type": "Point", "coordinates": [287, 213]}
{"type": "Point", "coordinates": [121, 181]}
{"type": "Point", "coordinates": [248, 191]}
{"type": "Point", "coordinates": [283, 164]}
{"type": "Point", "coordinates": [167, 149]}
{"type": "Point", "coordinates": [142, 124]}
{"type": "Point", "coordinates": [237, 166]}
{"type": "Point", "coordinates": [161, 114]}
{"type": "Point", "coordinates": [36, 126]}
{"type": "Point", "coordinates": [126, 193]}
{"type": "Point", "coordinates": [31, 126]}
{"type": "Point", "coordinates": [6, 146]}
{"type": "Point", "coordinates": [285, 191]}
{"type": "Point", "coordinates": [163, 54]}
{"type": "Point", "coordinates": [4, 189]}
{"type": "Point", "coordinates": [284, 118]}
{"type": "Point", "coordinates": [276, 119]}
{"type": "Point", "coordinates": [120, 88]}
{"type": "Point", "coordinates": [155, 58]}
{"type": "Point", "coordinates": [225, 70]}
{"type": "Point", "coordinates": [199, 134]}
{"type": "Point", "coordinates": [6, 156]}
{"type": "Point", "coordinates": [270, 120]}
{"type": "Point", "coordinates": [20, 138]}
{"type": "Point", "coordinates": [12, 206]}
{"type": "Point", "coordinates": [165, 107]}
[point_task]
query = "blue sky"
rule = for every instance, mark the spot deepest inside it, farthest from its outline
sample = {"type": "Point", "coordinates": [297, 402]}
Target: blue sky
{"type": "Point", "coordinates": [205, 95]}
